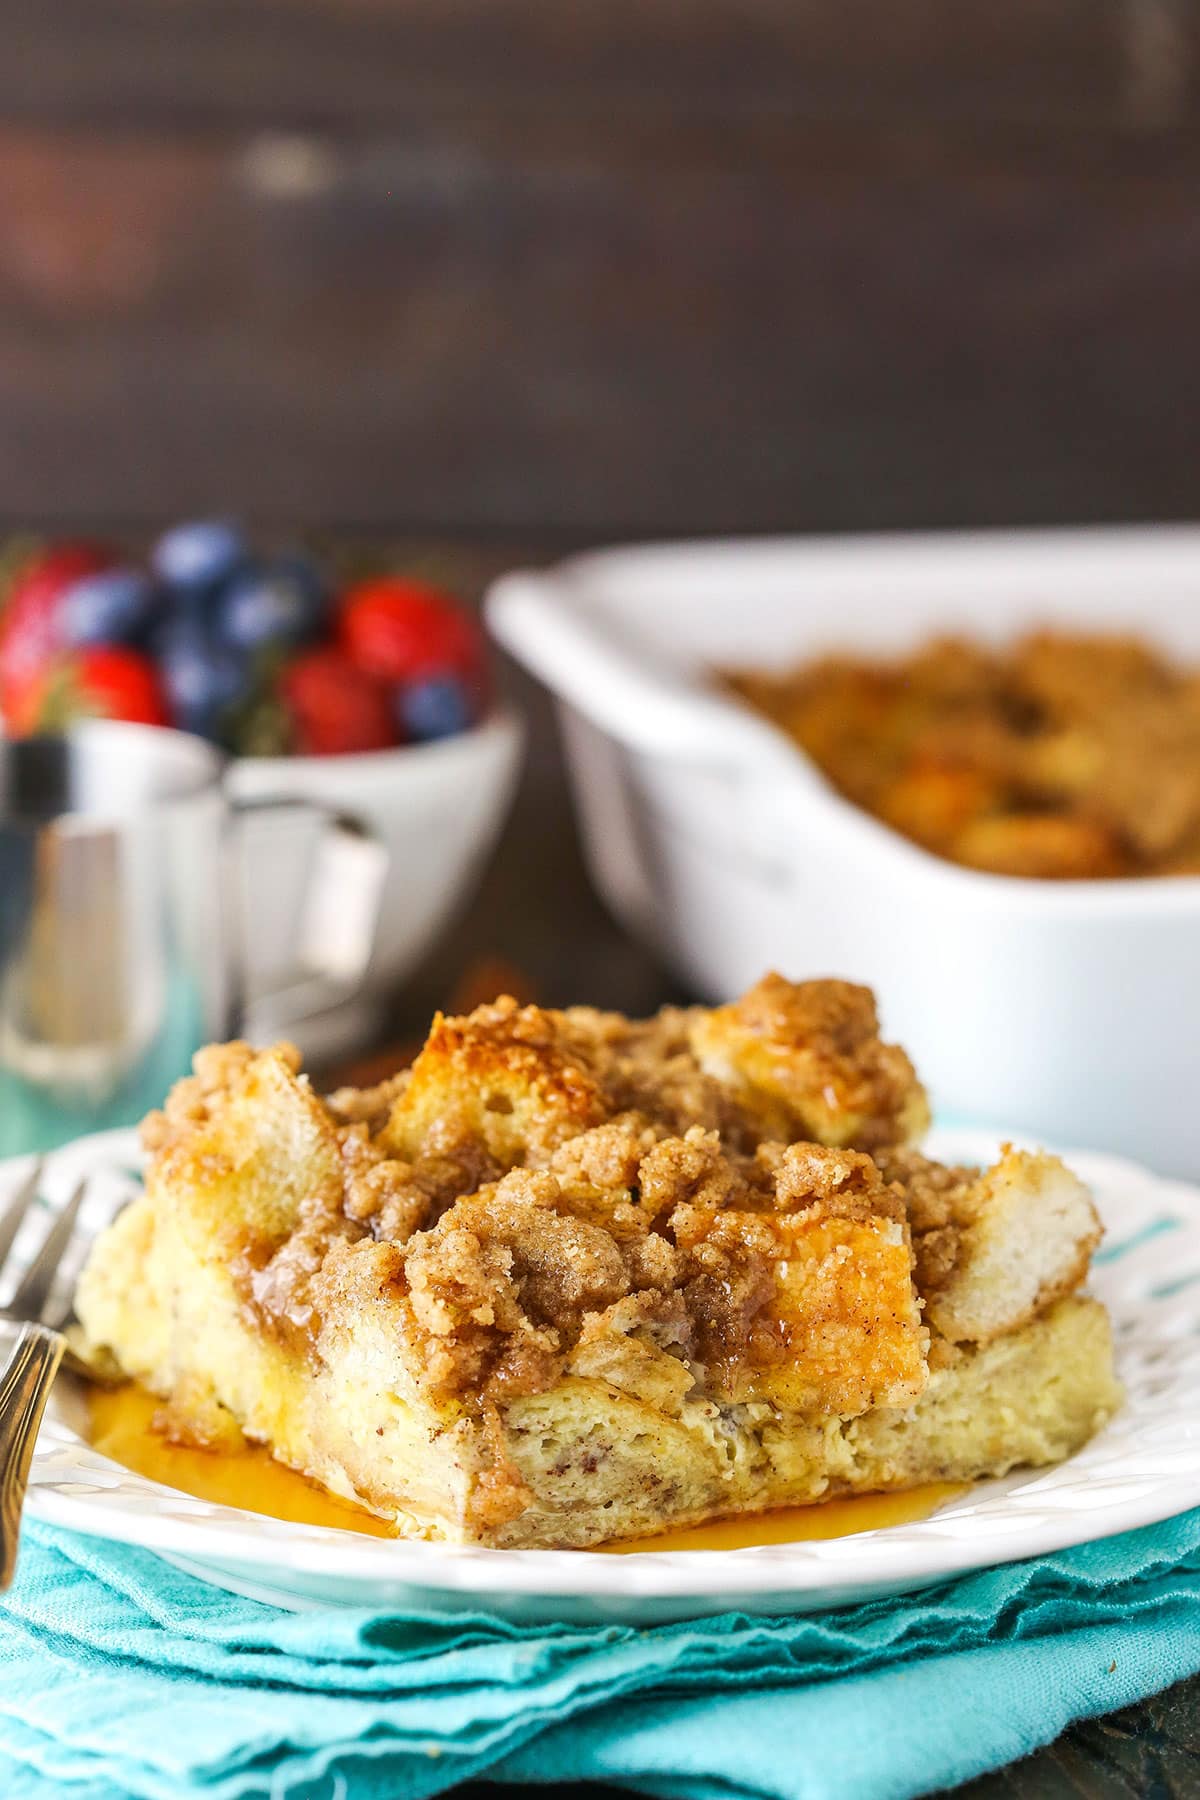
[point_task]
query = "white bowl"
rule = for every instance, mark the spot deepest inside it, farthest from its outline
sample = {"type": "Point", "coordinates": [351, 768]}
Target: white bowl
{"type": "Point", "coordinates": [1073, 1007]}
{"type": "Point", "coordinates": [436, 808]}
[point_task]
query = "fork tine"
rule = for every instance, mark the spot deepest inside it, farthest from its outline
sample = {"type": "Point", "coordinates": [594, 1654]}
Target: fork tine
{"type": "Point", "coordinates": [18, 1206]}
{"type": "Point", "coordinates": [31, 1296]}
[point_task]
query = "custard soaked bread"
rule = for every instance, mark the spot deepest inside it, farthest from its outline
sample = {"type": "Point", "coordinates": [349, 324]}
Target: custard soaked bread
{"type": "Point", "coordinates": [574, 1277]}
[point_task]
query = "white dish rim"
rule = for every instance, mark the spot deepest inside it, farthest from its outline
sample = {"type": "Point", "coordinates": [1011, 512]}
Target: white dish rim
{"type": "Point", "coordinates": [548, 619]}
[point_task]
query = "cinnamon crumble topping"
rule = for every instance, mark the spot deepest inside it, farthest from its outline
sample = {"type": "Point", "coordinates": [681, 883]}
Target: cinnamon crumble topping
{"type": "Point", "coordinates": [545, 1191]}
{"type": "Point", "coordinates": [940, 1202]}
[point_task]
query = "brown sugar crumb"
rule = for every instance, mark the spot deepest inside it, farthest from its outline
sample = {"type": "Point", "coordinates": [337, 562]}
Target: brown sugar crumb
{"type": "Point", "coordinates": [468, 1325]}
{"type": "Point", "coordinates": [503, 1281]}
{"type": "Point", "coordinates": [935, 1194]}
{"type": "Point", "coordinates": [806, 1172]}
{"type": "Point", "coordinates": [648, 1067]}
{"type": "Point", "coordinates": [692, 1170]}
{"type": "Point", "coordinates": [607, 1158]}
{"type": "Point", "coordinates": [940, 1201]}
{"type": "Point", "coordinates": [510, 1282]}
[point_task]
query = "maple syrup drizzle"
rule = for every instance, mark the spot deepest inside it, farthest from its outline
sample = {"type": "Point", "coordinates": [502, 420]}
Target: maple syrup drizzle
{"type": "Point", "coordinates": [795, 1524]}
{"type": "Point", "coordinates": [121, 1427]}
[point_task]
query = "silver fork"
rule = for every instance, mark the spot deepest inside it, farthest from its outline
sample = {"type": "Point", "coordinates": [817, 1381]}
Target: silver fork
{"type": "Point", "coordinates": [38, 1351]}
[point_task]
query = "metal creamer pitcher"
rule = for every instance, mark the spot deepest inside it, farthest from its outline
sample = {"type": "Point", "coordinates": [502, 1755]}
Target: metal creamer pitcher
{"type": "Point", "coordinates": [119, 940]}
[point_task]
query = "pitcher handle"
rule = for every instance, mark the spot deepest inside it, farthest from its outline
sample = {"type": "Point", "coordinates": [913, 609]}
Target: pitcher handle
{"type": "Point", "coordinates": [339, 916]}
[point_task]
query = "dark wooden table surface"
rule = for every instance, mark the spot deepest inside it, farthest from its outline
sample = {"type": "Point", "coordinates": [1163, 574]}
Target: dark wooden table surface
{"type": "Point", "coordinates": [537, 915]}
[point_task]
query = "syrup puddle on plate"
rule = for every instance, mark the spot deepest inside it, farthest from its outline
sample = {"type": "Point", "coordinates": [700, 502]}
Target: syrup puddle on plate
{"type": "Point", "coordinates": [120, 1427]}
{"type": "Point", "coordinates": [795, 1524]}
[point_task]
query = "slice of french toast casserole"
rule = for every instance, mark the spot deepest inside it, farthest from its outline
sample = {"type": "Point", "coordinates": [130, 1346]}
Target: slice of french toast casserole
{"type": "Point", "coordinates": [574, 1277]}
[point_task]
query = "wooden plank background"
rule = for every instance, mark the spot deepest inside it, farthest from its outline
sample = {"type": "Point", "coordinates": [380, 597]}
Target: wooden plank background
{"type": "Point", "coordinates": [498, 267]}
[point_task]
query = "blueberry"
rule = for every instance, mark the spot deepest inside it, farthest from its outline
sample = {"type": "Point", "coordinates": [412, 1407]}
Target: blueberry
{"type": "Point", "coordinates": [281, 604]}
{"type": "Point", "coordinates": [199, 554]}
{"type": "Point", "coordinates": [436, 708]}
{"type": "Point", "coordinates": [203, 679]}
{"type": "Point", "coordinates": [113, 606]}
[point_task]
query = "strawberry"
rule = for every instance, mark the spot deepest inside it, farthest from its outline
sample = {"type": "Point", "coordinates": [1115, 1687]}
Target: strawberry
{"type": "Point", "coordinates": [335, 707]}
{"type": "Point", "coordinates": [408, 631]}
{"type": "Point", "coordinates": [30, 623]}
{"type": "Point", "coordinates": [101, 683]}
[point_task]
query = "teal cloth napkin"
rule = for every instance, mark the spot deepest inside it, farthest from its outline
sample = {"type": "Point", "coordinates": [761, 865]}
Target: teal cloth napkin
{"type": "Point", "coordinates": [121, 1677]}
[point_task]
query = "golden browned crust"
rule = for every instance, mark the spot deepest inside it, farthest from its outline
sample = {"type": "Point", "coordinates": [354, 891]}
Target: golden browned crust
{"type": "Point", "coordinates": [506, 1080]}
{"type": "Point", "coordinates": [805, 1059]}
{"type": "Point", "coordinates": [217, 1071]}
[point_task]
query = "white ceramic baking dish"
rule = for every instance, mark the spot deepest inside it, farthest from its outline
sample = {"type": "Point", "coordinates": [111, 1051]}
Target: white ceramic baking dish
{"type": "Point", "coordinates": [1072, 1008]}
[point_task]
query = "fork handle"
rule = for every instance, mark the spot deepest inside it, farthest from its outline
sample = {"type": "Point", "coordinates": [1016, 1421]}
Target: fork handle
{"type": "Point", "coordinates": [24, 1390]}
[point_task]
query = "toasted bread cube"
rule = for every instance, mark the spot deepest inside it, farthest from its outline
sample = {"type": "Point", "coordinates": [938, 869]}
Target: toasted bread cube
{"type": "Point", "coordinates": [838, 1328]}
{"type": "Point", "coordinates": [238, 1181]}
{"type": "Point", "coordinates": [805, 1059]}
{"type": "Point", "coordinates": [504, 1078]}
{"type": "Point", "coordinates": [994, 1248]}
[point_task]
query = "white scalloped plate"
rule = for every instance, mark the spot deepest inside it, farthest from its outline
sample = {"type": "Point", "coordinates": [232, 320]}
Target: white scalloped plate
{"type": "Point", "coordinates": [1144, 1466]}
